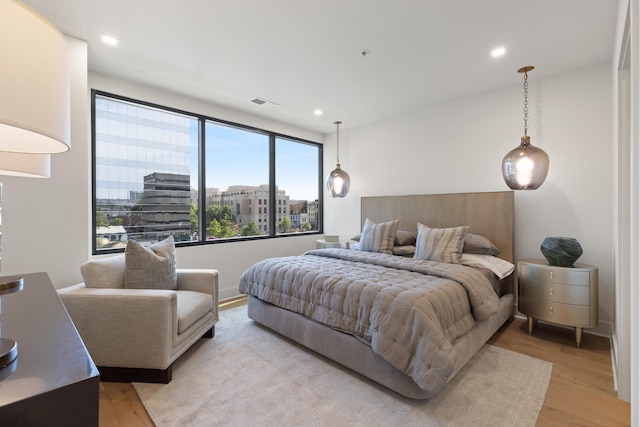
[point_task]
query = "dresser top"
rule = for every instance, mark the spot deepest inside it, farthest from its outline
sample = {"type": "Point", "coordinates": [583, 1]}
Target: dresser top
{"type": "Point", "coordinates": [50, 352]}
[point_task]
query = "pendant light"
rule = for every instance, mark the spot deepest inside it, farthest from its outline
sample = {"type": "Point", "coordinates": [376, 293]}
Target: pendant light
{"type": "Point", "coordinates": [525, 167]}
{"type": "Point", "coordinates": [338, 181]}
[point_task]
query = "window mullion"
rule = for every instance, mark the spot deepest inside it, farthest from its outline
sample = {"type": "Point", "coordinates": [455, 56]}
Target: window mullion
{"type": "Point", "coordinates": [202, 191]}
{"type": "Point", "coordinates": [272, 186]}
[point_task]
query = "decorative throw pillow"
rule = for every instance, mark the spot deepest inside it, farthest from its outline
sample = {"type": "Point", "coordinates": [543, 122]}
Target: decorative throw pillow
{"type": "Point", "coordinates": [151, 267]}
{"type": "Point", "coordinates": [440, 244]}
{"type": "Point", "coordinates": [476, 244]}
{"type": "Point", "coordinates": [378, 237]}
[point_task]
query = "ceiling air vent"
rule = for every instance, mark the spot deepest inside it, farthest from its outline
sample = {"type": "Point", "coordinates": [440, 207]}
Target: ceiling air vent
{"type": "Point", "coordinates": [264, 103]}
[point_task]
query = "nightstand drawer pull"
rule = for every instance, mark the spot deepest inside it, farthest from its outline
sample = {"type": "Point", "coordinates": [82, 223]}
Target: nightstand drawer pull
{"type": "Point", "coordinates": [563, 314]}
{"type": "Point", "coordinates": [555, 292]}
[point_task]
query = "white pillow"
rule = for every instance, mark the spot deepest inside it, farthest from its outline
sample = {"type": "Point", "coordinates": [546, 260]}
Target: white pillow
{"type": "Point", "coordinates": [500, 267]}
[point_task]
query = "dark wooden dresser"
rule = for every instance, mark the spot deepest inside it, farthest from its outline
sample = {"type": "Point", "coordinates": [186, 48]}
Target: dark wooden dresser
{"type": "Point", "coordinates": [53, 381]}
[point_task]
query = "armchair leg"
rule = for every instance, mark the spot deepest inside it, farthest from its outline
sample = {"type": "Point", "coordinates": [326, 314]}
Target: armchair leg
{"type": "Point", "coordinates": [210, 333]}
{"type": "Point", "coordinates": [129, 375]}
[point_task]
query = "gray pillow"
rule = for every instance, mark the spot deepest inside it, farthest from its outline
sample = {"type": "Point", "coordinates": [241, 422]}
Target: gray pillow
{"type": "Point", "coordinates": [405, 238]}
{"type": "Point", "coordinates": [151, 267]}
{"type": "Point", "coordinates": [378, 237]}
{"type": "Point", "coordinates": [440, 244]}
{"type": "Point", "coordinates": [476, 244]}
{"type": "Point", "coordinates": [407, 250]}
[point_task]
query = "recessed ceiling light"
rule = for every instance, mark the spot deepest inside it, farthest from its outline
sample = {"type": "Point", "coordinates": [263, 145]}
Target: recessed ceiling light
{"type": "Point", "coordinates": [318, 112]}
{"type": "Point", "coordinates": [498, 52]}
{"type": "Point", "coordinates": [109, 40]}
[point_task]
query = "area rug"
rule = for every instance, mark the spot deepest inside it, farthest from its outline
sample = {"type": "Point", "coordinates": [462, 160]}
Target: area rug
{"type": "Point", "coordinates": [250, 376]}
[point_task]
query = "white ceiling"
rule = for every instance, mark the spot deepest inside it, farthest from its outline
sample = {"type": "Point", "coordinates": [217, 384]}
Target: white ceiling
{"type": "Point", "coordinates": [306, 55]}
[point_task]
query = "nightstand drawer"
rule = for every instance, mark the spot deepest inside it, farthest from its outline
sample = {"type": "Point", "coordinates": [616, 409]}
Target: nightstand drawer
{"type": "Point", "coordinates": [563, 314]}
{"type": "Point", "coordinates": [555, 275]}
{"type": "Point", "coordinates": [554, 292]}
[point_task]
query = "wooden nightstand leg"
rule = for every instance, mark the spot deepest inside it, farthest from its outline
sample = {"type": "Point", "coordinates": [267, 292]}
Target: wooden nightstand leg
{"type": "Point", "coordinates": [578, 337]}
{"type": "Point", "coordinates": [530, 324]}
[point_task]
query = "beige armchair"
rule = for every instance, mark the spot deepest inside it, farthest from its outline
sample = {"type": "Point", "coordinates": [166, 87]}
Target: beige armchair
{"type": "Point", "coordinates": [137, 334]}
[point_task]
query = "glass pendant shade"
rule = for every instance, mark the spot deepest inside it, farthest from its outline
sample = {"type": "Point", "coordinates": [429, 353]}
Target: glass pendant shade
{"type": "Point", "coordinates": [338, 182]}
{"type": "Point", "coordinates": [525, 167]}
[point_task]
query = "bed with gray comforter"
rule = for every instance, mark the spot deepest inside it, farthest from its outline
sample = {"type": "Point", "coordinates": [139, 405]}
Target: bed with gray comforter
{"type": "Point", "coordinates": [408, 324]}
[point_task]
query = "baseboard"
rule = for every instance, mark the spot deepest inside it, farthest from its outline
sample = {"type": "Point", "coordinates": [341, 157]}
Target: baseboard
{"type": "Point", "coordinates": [232, 302]}
{"type": "Point", "coordinates": [613, 342]}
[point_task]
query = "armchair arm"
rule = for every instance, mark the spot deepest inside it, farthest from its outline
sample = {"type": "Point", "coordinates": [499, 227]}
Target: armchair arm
{"type": "Point", "coordinates": [110, 321]}
{"type": "Point", "coordinates": [199, 280]}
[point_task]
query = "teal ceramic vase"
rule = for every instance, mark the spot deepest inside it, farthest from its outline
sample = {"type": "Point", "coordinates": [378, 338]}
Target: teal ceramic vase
{"type": "Point", "coordinates": [561, 251]}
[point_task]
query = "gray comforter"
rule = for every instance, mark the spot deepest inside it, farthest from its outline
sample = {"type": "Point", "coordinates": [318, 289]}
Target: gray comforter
{"type": "Point", "coordinates": [409, 311]}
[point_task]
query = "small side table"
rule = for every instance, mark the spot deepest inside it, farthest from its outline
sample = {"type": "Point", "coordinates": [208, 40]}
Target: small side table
{"type": "Point", "coordinates": [322, 244]}
{"type": "Point", "coordinates": [562, 295]}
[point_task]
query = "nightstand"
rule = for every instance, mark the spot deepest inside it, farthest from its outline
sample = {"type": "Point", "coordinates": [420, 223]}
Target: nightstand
{"type": "Point", "coordinates": [563, 295]}
{"type": "Point", "coordinates": [321, 244]}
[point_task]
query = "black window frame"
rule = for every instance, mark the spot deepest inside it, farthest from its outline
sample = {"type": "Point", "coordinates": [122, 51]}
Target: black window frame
{"type": "Point", "coordinates": [202, 119]}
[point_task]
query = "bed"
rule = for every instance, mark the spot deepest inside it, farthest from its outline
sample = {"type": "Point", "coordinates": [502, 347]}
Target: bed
{"type": "Point", "coordinates": [408, 324]}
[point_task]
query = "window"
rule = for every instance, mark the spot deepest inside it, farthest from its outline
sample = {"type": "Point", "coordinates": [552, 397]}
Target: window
{"type": "Point", "coordinates": [296, 165]}
{"type": "Point", "coordinates": [149, 163]}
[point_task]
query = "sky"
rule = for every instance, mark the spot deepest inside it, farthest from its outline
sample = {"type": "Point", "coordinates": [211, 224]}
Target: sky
{"type": "Point", "coordinates": [241, 157]}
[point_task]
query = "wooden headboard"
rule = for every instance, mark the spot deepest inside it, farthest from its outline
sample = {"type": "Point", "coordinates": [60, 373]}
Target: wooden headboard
{"type": "Point", "coordinates": [487, 214]}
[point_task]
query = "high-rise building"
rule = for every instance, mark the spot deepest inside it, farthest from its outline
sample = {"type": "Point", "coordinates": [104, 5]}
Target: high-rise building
{"type": "Point", "coordinates": [134, 142]}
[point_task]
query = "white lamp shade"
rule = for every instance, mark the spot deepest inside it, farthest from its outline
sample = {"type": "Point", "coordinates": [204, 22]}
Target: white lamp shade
{"type": "Point", "coordinates": [34, 82]}
{"type": "Point", "coordinates": [25, 164]}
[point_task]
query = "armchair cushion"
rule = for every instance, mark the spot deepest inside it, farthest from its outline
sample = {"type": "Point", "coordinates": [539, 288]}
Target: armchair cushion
{"type": "Point", "coordinates": [191, 307]}
{"type": "Point", "coordinates": [104, 273]}
{"type": "Point", "coordinates": [150, 267]}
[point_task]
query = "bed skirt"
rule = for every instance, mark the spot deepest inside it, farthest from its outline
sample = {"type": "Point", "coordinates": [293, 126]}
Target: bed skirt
{"type": "Point", "coordinates": [354, 354]}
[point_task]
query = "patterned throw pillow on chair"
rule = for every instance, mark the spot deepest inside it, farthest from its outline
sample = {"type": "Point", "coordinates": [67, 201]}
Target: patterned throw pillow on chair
{"type": "Point", "coordinates": [150, 267]}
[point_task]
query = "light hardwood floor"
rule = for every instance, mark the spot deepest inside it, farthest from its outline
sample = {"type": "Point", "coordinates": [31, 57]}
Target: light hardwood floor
{"type": "Point", "coordinates": [580, 393]}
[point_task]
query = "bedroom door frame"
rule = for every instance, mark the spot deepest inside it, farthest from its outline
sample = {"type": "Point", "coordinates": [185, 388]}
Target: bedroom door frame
{"type": "Point", "coordinates": [624, 331]}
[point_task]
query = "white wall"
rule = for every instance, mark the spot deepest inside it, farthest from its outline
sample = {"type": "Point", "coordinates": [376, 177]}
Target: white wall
{"type": "Point", "coordinates": [459, 146]}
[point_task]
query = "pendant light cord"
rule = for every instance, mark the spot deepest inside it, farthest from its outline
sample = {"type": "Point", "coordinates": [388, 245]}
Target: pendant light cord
{"type": "Point", "coordinates": [338, 123]}
{"type": "Point", "coordinates": [525, 107]}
